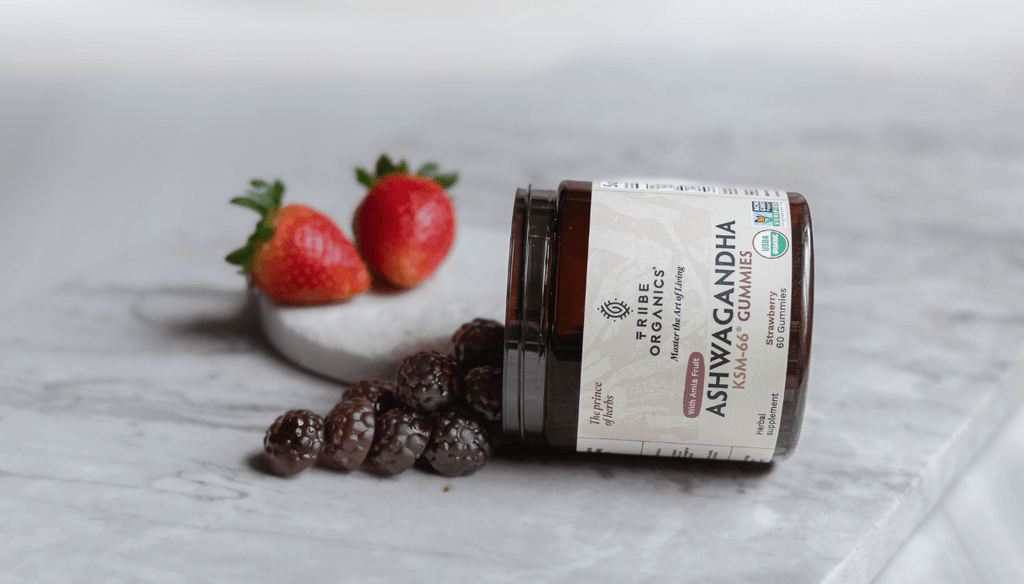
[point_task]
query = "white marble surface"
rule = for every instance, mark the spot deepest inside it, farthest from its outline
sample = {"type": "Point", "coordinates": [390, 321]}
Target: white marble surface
{"type": "Point", "coordinates": [133, 399]}
{"type": "Point", "coordinates": [976, 531]}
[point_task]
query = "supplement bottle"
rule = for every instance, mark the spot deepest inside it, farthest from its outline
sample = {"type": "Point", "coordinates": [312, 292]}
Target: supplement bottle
{"type": "Point", "coordinates": [662, 319]}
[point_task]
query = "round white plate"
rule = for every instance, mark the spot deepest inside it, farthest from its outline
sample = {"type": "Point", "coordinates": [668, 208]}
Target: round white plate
{"type": "Point", "coordinates": [368, 336]}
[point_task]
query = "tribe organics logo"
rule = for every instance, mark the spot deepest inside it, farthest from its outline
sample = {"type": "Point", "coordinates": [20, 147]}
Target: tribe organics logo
{"type": "Point", "coordinates": [614, 309]}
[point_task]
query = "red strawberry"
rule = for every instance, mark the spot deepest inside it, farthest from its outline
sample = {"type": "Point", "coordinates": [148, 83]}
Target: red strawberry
{"type": "Point", "coordinates": [297, 254]}
{"type": "Point", "coordinates": [405, 226]}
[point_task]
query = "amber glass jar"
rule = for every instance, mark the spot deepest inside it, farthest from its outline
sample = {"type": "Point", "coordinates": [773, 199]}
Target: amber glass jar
{"type": "Point", "coordinates": [545, 314]}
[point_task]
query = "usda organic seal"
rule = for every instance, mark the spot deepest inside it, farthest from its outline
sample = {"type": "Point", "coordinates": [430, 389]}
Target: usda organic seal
{"type": "Point", "coordinates": [770, 243]}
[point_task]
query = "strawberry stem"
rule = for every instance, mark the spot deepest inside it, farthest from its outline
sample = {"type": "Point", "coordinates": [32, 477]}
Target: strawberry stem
{"type": "Point", "coordinates": [264, 198]}
{"type": "Point", "coordinates": [385, 167]}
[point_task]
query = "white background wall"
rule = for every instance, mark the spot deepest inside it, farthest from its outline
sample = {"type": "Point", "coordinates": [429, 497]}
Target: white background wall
{"type": "Point", "coordinates": [969, 42]}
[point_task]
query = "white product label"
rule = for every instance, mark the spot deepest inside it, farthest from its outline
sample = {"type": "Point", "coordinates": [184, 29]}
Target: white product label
{"type": "Point", "coordinates": [686, 335]}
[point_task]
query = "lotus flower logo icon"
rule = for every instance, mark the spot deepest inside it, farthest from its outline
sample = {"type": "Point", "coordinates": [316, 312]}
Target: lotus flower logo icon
{"type": "Point", "coordinates": [614, 309]}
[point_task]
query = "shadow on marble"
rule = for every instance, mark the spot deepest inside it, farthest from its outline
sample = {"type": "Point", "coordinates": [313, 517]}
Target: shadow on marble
{"type": "Point", "coordinates": [227, 318]}
{"type": "Point", "coordinates": [688, 477]}
{"type": "Point", "coordinates": [609, 466]}
{"type": "Point", "coordinates": [242, 322]}
{"type": "Point", "coordinates": [257, 461]}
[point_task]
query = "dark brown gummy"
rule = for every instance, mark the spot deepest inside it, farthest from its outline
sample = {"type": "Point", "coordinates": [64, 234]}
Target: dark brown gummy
{"type": "Point", "coordinates": [482, 392]}
{"type": "Point", "coordinates": [380, 393]}
{"type": "Point", "coordinates": [428, 381]}
{"type": "Point", "coordinates": [400, 437]}
{"type": "Point", "coordinates": [293, 441]}
{"type": "Point", "coordinates": [348, 434]}
{"type": "Point", "coordinates": [478, 343]}
{"type": "Point", "coordinates": [569, 278]}
{"type": "Point", "coordinates": [458, 444]}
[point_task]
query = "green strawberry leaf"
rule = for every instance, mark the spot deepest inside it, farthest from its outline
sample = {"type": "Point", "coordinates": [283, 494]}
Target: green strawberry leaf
{"type": "Point", "coordinates": [265, 199]}
{"type": "Point", "coordinates": [261, 197]}
{"type": "Point", "coordinates": [364, 178]}
{"type": "Point", "coordinates": [447, 180]}
{"type": "Point", "coordinates": [264, 232]}
{"type": "Point", "coordinates": [276, 194]}
{"type": "Point", "coordinates": [428, 169]}
{"type": "Point", "coordinates": [240, 256]}
{"type": "Point", "coordinates": [249, 204]}
{"type": "Point", "coordinates": [384, 166]}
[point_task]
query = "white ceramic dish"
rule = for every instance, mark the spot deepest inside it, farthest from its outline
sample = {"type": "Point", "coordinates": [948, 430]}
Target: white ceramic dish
{"type": "Point", "coordinates": [367, 337]}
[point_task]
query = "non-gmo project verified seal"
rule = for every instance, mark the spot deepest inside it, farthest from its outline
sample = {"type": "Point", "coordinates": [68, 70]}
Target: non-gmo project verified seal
{"type": "Point", "coordinates": [766, 213]}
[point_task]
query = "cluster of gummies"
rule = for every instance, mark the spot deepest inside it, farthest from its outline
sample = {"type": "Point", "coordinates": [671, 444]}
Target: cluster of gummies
{"type": "Point", "coordinates": [437, 410]}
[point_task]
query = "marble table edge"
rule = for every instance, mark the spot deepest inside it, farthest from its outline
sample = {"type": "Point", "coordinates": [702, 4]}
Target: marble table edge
{"type": "Point", "coordinates": [911, 507]}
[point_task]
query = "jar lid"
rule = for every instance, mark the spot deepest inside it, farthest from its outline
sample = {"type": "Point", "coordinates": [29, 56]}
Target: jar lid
{"type": "Point", "coordinates": [526, 314]}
